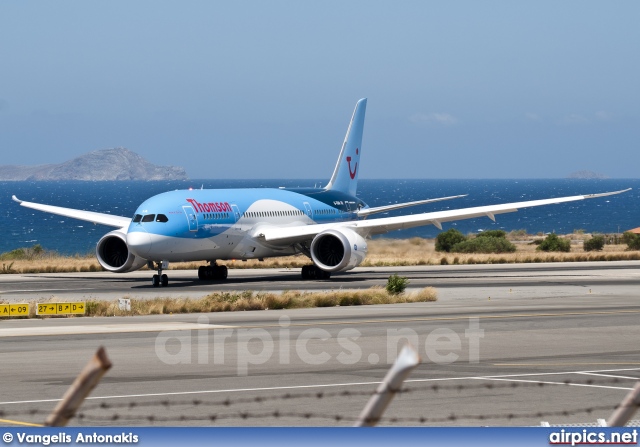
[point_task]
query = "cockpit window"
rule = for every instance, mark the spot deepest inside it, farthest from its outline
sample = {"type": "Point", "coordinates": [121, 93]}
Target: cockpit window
{"type": "Point", "coordinates": [137, 218]}
{"type": "Point", "coordinates": [149, 218]}
{"type": "Point", "coordinates": [162, 218]}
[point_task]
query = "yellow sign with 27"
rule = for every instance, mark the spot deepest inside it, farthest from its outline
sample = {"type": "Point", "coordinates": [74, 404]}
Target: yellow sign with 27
{"type": "Point", "coordinates": [77, 308]}
{"type": "Point", "coordinates": [14, 310]}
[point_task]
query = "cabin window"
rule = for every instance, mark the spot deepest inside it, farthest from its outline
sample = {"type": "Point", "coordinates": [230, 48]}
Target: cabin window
{"type": "Point", "coordinates": [137, 218]}
{"type": "Point", "coordinates": [162, 218]}
{"type": "Point", "coordinates": [149, 218]}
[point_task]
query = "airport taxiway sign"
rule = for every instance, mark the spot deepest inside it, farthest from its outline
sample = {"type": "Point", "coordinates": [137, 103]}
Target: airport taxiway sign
{"type": "Point", "coordinates": [14, 310]}
{"type": "Point", "coordinates": [61, 308]}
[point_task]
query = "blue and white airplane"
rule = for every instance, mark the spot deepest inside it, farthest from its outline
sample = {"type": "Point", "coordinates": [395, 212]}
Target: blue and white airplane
{"type": "Point", "coordinates": [328, 225]}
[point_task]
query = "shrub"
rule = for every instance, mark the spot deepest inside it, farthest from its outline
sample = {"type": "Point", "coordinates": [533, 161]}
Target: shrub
{"type": "Point", "coordinates": [92, 308]}
{"type": "Point", "coordinates": [632, 240]}
{"type": "Point", "coordinates": [18, 254]}
{"type": "Point", "coordinates": [596, 243]}
{"type": "Point", "coordinates": [486, 244]}
{"type": "Point", "coordinates": [397, 284]}
{"type": "Point", "coordinates": [24, 253]}
{"type": "Point", "coordinates": [493, 233]}
{"type": "Point", "coordinates": [447, 239]}
{"type": "Point", "coordinates": [553, 243]}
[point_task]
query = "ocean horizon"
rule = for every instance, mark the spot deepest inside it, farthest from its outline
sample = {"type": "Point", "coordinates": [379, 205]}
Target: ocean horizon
{"type": "Point", "coordinates": [23, 227]}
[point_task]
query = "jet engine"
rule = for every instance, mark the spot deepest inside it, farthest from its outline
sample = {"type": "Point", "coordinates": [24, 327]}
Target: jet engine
{"type": "Point", "coordinates": [337, 250]}
{"type": "Point", "coordinates": [114, 255]}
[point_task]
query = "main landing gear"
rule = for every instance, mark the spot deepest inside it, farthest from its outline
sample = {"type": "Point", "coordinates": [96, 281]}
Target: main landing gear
{"type": "Point", "coordinates": [313, 272]}
{"type": "Point", "coordinates": [212, 272]}
{"type": "Point", "coordinates": [160, 279]}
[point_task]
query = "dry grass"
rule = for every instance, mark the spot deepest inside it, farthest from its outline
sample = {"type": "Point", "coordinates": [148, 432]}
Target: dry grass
{"type": "Point", "coordinates": [382, 253]}
{"type": "Point", "coordinates": [417, 251]}
{"type": "Point", "coordinates": [248, 300]}
{"type": "Point", "coordinates": [58, 264]}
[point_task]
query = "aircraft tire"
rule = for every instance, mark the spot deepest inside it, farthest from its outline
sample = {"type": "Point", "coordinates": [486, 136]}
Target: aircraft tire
{"type": "Point", "coordinates": [164, 280]}
{"type": "Point", "coordinates": [222, 272]}
{"type": "Point", "coordinates": [155, 281]}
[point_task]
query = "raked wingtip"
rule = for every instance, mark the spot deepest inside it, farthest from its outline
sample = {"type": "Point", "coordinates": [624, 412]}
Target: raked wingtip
{"type": "Point", "coordinates": [604, 194]}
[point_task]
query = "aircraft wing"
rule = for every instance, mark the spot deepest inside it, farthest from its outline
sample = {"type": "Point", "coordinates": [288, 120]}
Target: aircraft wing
{"type": "Point", "coordinates": [287, 235]}
{"type": "Point", "coordinates": [396, 206]}
{"type": "Point", "coordinates": [89, 216]}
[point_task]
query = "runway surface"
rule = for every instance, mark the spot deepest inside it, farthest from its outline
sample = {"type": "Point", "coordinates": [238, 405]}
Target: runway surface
{"type": "Point", "coordinates": [503, 345]}
{"type": "Point", "coordinates": [184, 283]}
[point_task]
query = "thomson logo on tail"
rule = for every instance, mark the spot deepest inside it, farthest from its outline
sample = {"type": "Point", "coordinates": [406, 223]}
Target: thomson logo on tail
{"type": "Point", "coordinates": [355, 170]}
{"type": "Point", "coordinates": [345, 174]}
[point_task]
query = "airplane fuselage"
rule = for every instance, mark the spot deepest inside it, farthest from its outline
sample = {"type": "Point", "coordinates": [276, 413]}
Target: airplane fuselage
{"type": "Point", "coordinates": [222, 224]}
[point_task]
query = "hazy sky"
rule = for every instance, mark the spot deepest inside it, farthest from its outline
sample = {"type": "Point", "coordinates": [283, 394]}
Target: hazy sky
{"type": "Point", "coordinates": [265, 89]}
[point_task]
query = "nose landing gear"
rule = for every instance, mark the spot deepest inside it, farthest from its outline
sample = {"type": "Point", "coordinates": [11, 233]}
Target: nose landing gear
{"type": "Point", "coordinates": [160, 279]}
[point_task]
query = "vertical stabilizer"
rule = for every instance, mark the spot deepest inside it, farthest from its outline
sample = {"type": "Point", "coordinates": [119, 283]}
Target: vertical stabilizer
{"type": "Point", "coordinates": [345, 174]}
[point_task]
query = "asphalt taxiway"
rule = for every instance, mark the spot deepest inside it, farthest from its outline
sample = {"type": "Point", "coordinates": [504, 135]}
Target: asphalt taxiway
{"type": "Point", "coordinates": [470, 279]}
{"type": "Point", "coordinates": [503, 345]}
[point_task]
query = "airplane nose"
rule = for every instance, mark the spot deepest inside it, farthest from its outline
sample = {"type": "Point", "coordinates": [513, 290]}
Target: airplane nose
{"type": "Point", "coordinates": [139, 242]}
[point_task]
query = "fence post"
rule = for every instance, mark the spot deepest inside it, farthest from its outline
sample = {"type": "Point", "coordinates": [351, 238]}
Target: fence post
{"type": "Point", "coordinates": [626, 409]}
{"type": "Point", "coordinates": [79, 389]}
{"type": "Point", "coordinates": [391, 384]}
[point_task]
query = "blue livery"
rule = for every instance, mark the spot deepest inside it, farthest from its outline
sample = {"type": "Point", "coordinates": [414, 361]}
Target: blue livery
{"type": "Point", "coordinates": [329, 225]}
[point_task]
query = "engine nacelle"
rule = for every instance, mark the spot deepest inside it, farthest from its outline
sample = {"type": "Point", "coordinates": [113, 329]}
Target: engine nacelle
{"type": "Point", "coordinates": [338, 250]}
{"type": "Point", "coordinates": [114, 255]}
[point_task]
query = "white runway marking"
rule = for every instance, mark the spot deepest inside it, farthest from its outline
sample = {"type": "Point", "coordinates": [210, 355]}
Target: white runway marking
{"type": "Point", "coordinates": [330, 385]}
{"type": "Point", "coordinates": [46, 290]}
{"type": "Point", "coordinates": [186, 393]}
{"type": "Point", "coordinates": [105, 329]}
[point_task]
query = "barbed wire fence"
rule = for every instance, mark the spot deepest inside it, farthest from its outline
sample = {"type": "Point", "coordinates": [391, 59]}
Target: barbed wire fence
{"type": "Point", "coordinates": [214, 411]}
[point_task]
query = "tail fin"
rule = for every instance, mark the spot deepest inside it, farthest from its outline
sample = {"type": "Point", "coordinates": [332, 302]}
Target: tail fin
{"type": "Point", "coordinates": [345, 174]}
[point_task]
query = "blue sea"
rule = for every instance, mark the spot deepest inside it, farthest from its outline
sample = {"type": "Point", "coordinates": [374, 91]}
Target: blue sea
{"type": "Point", "coordinates": [23, 227]}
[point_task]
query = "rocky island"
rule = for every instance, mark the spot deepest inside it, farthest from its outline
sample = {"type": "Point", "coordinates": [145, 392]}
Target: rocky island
{"type": "Point", "coordinates": [107, 164]}
{"type": "Point", "coordinates": [586, 175]}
